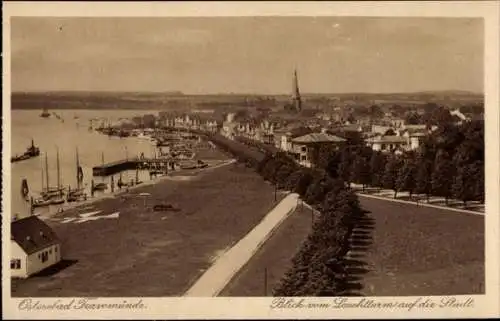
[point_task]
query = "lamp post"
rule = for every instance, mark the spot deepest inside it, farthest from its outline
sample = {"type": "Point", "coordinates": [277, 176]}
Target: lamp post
{"type": "Point", "coordinates": [265, 281]}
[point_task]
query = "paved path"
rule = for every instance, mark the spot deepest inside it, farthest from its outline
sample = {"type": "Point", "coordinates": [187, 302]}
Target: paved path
{"type": "Point", "coordinates": [385, 194]}
{"type": "Point", "coordinates": [213, 281]}
{"type": "Point", "coordinates": [421, 204]}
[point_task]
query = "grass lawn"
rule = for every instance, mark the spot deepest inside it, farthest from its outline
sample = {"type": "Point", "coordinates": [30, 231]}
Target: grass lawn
{"type": "Point", "coordinates": [275, 256]}
{"type": "Point", "coordinates": [146, 253]}
{"type": "Point", "coordinates": [397, 250]}
{"type": "Point", "coordinates": [414, 250]}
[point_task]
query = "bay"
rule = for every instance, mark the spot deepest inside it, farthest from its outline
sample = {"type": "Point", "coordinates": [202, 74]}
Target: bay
{"type": "Point", "coordinates": [65, 134]}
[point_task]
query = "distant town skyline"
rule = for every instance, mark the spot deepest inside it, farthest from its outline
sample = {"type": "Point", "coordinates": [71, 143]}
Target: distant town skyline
{"type": "Point", "coordinates": [247, 55]}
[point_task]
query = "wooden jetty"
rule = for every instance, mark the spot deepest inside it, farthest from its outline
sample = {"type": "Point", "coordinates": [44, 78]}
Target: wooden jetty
{"type": "Point", "coordinates": [129, 164]}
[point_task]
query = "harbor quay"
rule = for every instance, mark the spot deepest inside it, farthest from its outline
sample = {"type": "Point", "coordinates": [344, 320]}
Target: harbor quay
{"type": "Point", "coordinates": [132, 164]}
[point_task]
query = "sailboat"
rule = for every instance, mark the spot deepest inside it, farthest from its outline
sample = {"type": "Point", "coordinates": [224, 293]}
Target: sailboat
{"type": "Point", "coordinates": [44, 200]}
{"type": "Point", "coordinates": [45, 113]}
{"type": "Point", "coordinates": [50, 192]}
{"type": "Point", "coordinates": [58, 199]}
{"type": "Point", "coordinates": [101, 186]}
{"type": "Point", "coordinates": [31, 151]}
{"type": "Point", "coordinates": [78, 193]}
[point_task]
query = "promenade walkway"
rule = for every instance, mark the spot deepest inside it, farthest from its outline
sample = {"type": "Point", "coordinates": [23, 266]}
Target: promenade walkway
{"type": "Point", "coordinates": [213, 281]}
{"type": "Point", "coordinates": [420, 200]}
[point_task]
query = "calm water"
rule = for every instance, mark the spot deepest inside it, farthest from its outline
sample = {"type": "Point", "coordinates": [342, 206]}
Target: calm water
{"type": "Point", "coordinates": [51, 134]}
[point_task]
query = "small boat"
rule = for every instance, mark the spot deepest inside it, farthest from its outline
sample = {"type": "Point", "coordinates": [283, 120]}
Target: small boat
{"type": "Point", "coordinates": [57, 201]}
{"type": "Point", "coordinates": [76, 197]}
{"type": "Point", "coordinates": [123, 133]}
{"type": "Point", "coordinates": [53, 193]}
{"type": "Point", "coordinates": [31, 151]}
{"type": "Point", "coordinates": [142, 135]}
{"type": "Point", "coordinates": [45, 113]}
{"type": "Point", "coordinates": [100, 187]}
{"type": "Point", "coordinates": [41, 202]}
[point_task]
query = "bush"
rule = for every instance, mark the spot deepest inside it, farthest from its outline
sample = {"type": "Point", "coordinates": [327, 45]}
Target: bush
{"type": "Point", "coordinates": [317, 268]}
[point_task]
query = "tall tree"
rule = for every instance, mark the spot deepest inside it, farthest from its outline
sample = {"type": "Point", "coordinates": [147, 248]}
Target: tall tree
{"type": "Point", "coordinates": [344, 168]}
{"type": "Point", "coordinates": [423, 184]}
{"type": "Point", "coordinates": [478, 173]}
{"type": "Point", "coordinates": [391, 173]}
{"type": "Point", "coordinates": [442, 176]}
{"type": "Point", "coordinates": [361, 171]}
{"type": "Point", "coordinates": [303, 184]}
{"type": "Point", "coordinates": [406, 180]}
{"type": "Point", "coordinates": [377, 167]}
{"type": "Point", "coordinates": [463, 187]}
{"type": "Point", "coordinates": [282, 174]}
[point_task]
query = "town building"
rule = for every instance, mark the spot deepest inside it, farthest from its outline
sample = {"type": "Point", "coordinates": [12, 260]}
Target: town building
{"type": "Point", "coordinates": [229, 127]}
{"type": "Point", "coordinates": [34, 247]}
{"type": "Point", "coordinates": [306, 148]}
{"type": "Point", "coordinates": [390, 143]}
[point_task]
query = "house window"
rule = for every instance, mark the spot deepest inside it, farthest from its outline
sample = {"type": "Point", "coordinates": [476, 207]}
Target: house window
{"type": "Point", "coordinates": [382, 146]}
{"type": "Point", "coordinates": [303, 148]}
{"type": "Point", "coordinates": [303, 157]}
{"type": "Point", "coordinates": [55, 249]}
{"type": "Point", "coordinates": [15, 264]}
{"type": "Point", "coordinates": [50, 251]}
{"type": "Point", "coordinates": [44, 256]}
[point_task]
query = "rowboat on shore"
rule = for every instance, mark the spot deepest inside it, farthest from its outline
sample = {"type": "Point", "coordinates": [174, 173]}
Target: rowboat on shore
{"type": "Point", "coordinates": [41, 203]}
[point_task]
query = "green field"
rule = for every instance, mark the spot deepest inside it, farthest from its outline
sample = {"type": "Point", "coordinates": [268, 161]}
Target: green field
{"type": "Point", "coordinates": [147, 253]}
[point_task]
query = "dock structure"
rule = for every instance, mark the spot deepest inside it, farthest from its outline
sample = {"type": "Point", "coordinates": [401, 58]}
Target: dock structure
{"type": "Point", "coordinates": [129, 164]}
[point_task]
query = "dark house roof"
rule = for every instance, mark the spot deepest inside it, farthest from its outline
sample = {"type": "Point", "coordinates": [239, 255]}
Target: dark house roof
{"type": "Point", "coordinates": [318, 138]}
{"type": "Point", "coordinates": [32, 234]}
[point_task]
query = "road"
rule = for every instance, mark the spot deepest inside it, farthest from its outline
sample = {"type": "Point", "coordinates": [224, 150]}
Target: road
{"type": "Point", "coordinates": [213, 281]}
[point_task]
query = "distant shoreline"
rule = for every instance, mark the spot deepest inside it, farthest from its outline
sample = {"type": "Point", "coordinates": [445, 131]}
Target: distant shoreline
{"type": "Point", "coordinates": [181, 94]}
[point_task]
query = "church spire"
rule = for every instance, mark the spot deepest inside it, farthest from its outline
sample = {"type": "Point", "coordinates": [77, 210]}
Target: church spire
{"type": "Point", "coordinates": [296, 93]}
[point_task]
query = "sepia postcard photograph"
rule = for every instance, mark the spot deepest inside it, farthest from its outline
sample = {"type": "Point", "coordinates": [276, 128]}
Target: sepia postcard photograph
{"type": "Point", "coordinates": [256, 160]}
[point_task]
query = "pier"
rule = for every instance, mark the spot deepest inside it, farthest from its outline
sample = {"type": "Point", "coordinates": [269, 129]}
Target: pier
{"type": "Point", "coordinates": [130, 164]}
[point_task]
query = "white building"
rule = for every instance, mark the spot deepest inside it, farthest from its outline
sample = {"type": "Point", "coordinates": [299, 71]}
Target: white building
{"type": "Point", "coordinates": [229, 127]}
{"type": "Point", "coordinates": [34, 247]}
{"type": "Point", "coordinates": [387, 143]}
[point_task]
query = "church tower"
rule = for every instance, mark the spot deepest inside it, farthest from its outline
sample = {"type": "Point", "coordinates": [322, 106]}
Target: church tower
{"type": "Point", "coordinates": [297, 102]}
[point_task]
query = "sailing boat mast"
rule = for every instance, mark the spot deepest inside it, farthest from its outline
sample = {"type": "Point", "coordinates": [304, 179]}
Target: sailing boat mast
{"type": "Point", "coordinates": [58, 171]}
{"type": "Point", "coordinates": [46, 172]}
{"type": "Point", "coordinates": [41, 167]}
{"type": "Point", "coordinates": [77, 169]}
{"type": "Point", "coordinates": [102, 159]}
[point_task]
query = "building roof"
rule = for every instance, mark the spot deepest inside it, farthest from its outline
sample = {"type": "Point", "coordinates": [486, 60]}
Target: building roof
{"type": "Point", "coordinates": [32, 234]}
{"type": "Point", "coordinates": [387, 139]}
{"type": "Point", "coordinates": [347, 128]}
{"type": "Point", "coordinates": [415, 127]}
{"type": "Point", "coordinates": [299, 131]}
{"type": "Point", "coordinates": [317, 138]}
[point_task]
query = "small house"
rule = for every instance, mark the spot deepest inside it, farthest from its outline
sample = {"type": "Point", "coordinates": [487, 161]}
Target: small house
{"type": "Point", "coordinates": [34, 247]}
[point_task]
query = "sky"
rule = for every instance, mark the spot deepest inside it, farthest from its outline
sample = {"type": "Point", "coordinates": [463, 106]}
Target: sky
{"type": "Point", "coordinates": [247, 54]}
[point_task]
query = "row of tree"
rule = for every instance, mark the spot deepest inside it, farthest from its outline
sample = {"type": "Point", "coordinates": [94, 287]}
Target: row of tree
{"type": "Point", "coordinates": [450, 164]}
{"type": "Point", "coordinates": [317, 268]}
